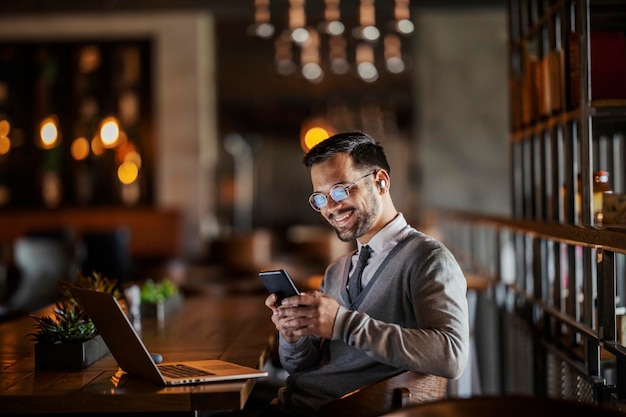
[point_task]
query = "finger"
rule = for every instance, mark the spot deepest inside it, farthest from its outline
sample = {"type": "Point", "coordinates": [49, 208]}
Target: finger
{"type": "Point", "coordinates": [303, 299]}
{"type": "Point", "coordinates": [296, 323]}
{"type": "Point", "coordinates": [302, 331]}
{"type": "Point", "coordinates": [292, 301]}
{"type": "Point", "coordinates": [292, 311]}
{"type": "Point", "coordinates": [270, 301]}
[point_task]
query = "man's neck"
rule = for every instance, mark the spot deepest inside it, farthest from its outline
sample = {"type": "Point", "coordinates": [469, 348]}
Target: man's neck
{"type": "Point", "coordinates": [379, 225]}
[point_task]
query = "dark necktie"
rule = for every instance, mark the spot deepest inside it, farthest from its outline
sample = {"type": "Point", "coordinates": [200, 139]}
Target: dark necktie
{"type": "Point", "coordinates": [354, 285]}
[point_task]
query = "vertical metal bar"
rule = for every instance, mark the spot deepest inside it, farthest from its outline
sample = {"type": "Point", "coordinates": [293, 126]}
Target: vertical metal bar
{"type": "Point", "coordinates": [610, 160]}
{"type": "Point", "coordinates": [570, 180]}
{"type": "Point", "coordinates": [589, 293]}
{"type": "Point", "coordinates": [560, 172]}
{"type": "Point", "coordinates": [585, 115]}
{"type": "Point", "coordinates": [535, 163]}
{"type": "Point", "coordinates": [606, 295]}
{"type": "Point", "coordinates": [557, 299]}
{"type": "Point", "coordinates": [520, 247]}
{"type": "Point", "coordinates": [621, 377]}
{"type": "Point", "coordinates": [542, 187]}
{"type": "Point", "coordinates": [618, 160]}
{"type": "Point", "coordinates": [572, 290]}
{"type": "Point", "coordinates": [529, 178]}
{"type": "Point", "coordinates": [537, 262]}
{"type": "Point", "coordinates": [517, 179]}
{"type": "Point", "coordinates": [554, 206]}
{"type": "Point", "coordinates": [498, 253]}
{"type": "Point", "coordinates": [592, 353]}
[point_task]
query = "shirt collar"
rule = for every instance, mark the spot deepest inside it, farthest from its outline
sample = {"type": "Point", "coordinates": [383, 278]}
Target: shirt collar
{"type": "Point", "coordinates": [387, 235]}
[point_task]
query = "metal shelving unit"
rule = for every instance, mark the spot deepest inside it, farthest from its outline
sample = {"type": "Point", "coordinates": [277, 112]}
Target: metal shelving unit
{"type": "Point", "coordinates": [557, 267]}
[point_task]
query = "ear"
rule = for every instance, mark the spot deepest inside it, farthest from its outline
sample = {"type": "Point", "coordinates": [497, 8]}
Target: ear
{"type": "Point", "coordinates": [382, 180]}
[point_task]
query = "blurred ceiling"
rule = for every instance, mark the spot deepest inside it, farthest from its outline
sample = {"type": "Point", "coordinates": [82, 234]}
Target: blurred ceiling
{"type": "Point", "coordinates": [222, 8]}
{"type": "Point", "coordinates": [252, 95]}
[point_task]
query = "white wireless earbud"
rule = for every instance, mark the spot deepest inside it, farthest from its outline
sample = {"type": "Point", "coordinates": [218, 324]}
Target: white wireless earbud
{"type": "Point", "coordinates": [383, 184]}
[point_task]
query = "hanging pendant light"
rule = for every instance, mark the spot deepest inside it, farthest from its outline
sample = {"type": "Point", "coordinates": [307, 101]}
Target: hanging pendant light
{"type": "Point", "coordinates": [318, 45]}
{"type": "Point", "coordinates": [261, 26]}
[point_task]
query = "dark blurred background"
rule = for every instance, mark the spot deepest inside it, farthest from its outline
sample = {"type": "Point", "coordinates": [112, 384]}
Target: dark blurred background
{"type": "Point", "coordinates": [207, 169]}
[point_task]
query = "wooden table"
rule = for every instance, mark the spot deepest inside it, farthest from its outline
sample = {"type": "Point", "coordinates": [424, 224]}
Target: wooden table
{"type": "Point", "coordinates": [235, 328]}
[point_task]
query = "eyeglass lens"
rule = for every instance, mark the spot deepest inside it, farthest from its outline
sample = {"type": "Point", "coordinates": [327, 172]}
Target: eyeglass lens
{"type": "Point", "coordinates": [319, 201]}
{"type": "Point", "coordinates": [337, 193]}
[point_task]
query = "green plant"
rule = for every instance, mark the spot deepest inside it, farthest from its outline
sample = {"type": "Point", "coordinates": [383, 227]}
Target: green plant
{"type": "Point", "coordinates": [156, 292]}
{"type": "Point", "coordinates": [69, 322]}
{"type": "Point", "coordinates": [95, 281]}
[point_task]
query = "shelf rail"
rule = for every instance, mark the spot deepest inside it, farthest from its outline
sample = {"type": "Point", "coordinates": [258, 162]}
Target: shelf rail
{"type": "Point", "coordinates": [567, 284]}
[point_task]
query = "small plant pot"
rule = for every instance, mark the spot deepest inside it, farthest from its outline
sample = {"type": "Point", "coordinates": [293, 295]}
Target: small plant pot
{"type": "Point", "coordinates": [69, 356]}
{"type": "Point", "coordinates": [162, 309]}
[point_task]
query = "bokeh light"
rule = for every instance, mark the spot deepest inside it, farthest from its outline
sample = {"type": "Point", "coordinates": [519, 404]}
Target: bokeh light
{"type": "Point", "coordinates": [133, 157]}
{"type": "Point", "coordinates": [313, 131]}
{"type": "Point", "coordinates": [5, 127]}
{"type": "Point", "coordinates": [5, 145]}
{"type": "Point", "coordinates": [49, 132]}
{"type": "Point", "coordinates": [109, 132]}
{"type": "Point", "coordinates": [127, 172]}
{"type": "Point", "coordinates": [80, 149]}
{"type": "Point", "coordinates": [96, 146]}
{"type": "Point", "coordinates": [5, 142]}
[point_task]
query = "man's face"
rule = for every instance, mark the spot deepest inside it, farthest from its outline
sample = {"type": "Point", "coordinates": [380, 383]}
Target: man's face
{"type": "Point", "coordinates": [353, 217]}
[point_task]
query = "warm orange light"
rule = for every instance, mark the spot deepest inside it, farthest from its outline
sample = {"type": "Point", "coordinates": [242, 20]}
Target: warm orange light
{"type": "Point", "coordinates": [5, 142]}
{"type": "Point", "coordinates": [80, 149]}
{"type": "Point", "coordinates": [122, 139]}
{"type": "Point", "coordinates": [127, 173]}
{"type": "Point", "coordinates": [96, 146]}
{"type": "Point", "coordinates": [5, 127]}
{"type": "Point", "coordinates": [123, 150]}
{"type": "Point", "coordinates": [49, 132]}
{"type": "Point", "coordinates": [109, 132]}
{"type": "Point", "coordinates": [51, 189]}
{"type": "Point", "coordinates": [89, 59]}
{"type": "Point", "coordinates": [5, 145]}
{"type": "Point", "coordinates": [315, 135]}
{"type": "Point", "coordinates": [314, 131]}
{"type": "Point", "coordinates": [133, 157]}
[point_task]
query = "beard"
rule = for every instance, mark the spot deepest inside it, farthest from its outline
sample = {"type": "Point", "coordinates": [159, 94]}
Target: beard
{"type": "Point", "coordinates": [364, 221]}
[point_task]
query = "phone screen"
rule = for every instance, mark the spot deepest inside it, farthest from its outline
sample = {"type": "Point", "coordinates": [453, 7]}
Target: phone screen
{"type": "Point", "coordinates": [280, 283]}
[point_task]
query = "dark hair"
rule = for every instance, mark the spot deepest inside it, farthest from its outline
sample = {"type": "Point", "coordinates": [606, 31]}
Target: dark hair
{"type": "Point", "coordinates": [363, 149]}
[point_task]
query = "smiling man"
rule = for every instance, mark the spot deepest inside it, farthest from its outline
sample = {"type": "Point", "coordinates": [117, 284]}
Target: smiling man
{"type": "Point", "coordinates": [398, 303]}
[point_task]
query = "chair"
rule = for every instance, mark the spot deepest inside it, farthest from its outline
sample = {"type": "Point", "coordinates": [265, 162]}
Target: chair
{"type": "Point", "coordinates": [399, 391]}
{"type": "Point", "coordinates": [43, 262]}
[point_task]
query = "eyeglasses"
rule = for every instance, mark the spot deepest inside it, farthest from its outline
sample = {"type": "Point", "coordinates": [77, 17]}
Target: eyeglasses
{"type": "Point", "coordinates": [338, 193]}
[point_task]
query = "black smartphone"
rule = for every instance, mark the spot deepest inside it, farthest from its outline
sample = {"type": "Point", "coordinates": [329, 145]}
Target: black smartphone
{"type": "Point", "coordinates": [279, 282]}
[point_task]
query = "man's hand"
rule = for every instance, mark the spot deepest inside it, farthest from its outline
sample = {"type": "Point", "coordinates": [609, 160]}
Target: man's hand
{"type": "Point", "coordinates": [279, 321]}
{"type": "Point", "coordinates": [307, 314]}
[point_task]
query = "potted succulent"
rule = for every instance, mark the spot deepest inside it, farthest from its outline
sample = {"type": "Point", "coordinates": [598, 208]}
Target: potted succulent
{"type": "Point", "coordinates": [67, 339]}
{"type": "Point", "coordinates": [158, 299]}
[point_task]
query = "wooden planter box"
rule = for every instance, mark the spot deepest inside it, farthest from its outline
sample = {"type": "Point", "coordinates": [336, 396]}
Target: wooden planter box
{"type": "Point", "coordinates": [161, 310]}
{"type": "Point", "coordinates": [69, 356]}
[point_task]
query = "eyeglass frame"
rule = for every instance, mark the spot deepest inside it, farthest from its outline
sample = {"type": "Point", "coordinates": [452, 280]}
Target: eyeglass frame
{"type": "Point", "coordinates": [345, 187]}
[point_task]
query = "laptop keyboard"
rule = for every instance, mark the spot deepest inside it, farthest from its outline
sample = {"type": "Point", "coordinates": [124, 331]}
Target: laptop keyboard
{"type": "Point", "coordinates": [180, 370]}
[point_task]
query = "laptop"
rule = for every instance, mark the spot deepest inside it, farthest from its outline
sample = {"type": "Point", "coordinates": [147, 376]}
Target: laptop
{"type": "Point", "coordinates": [132, 356]}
